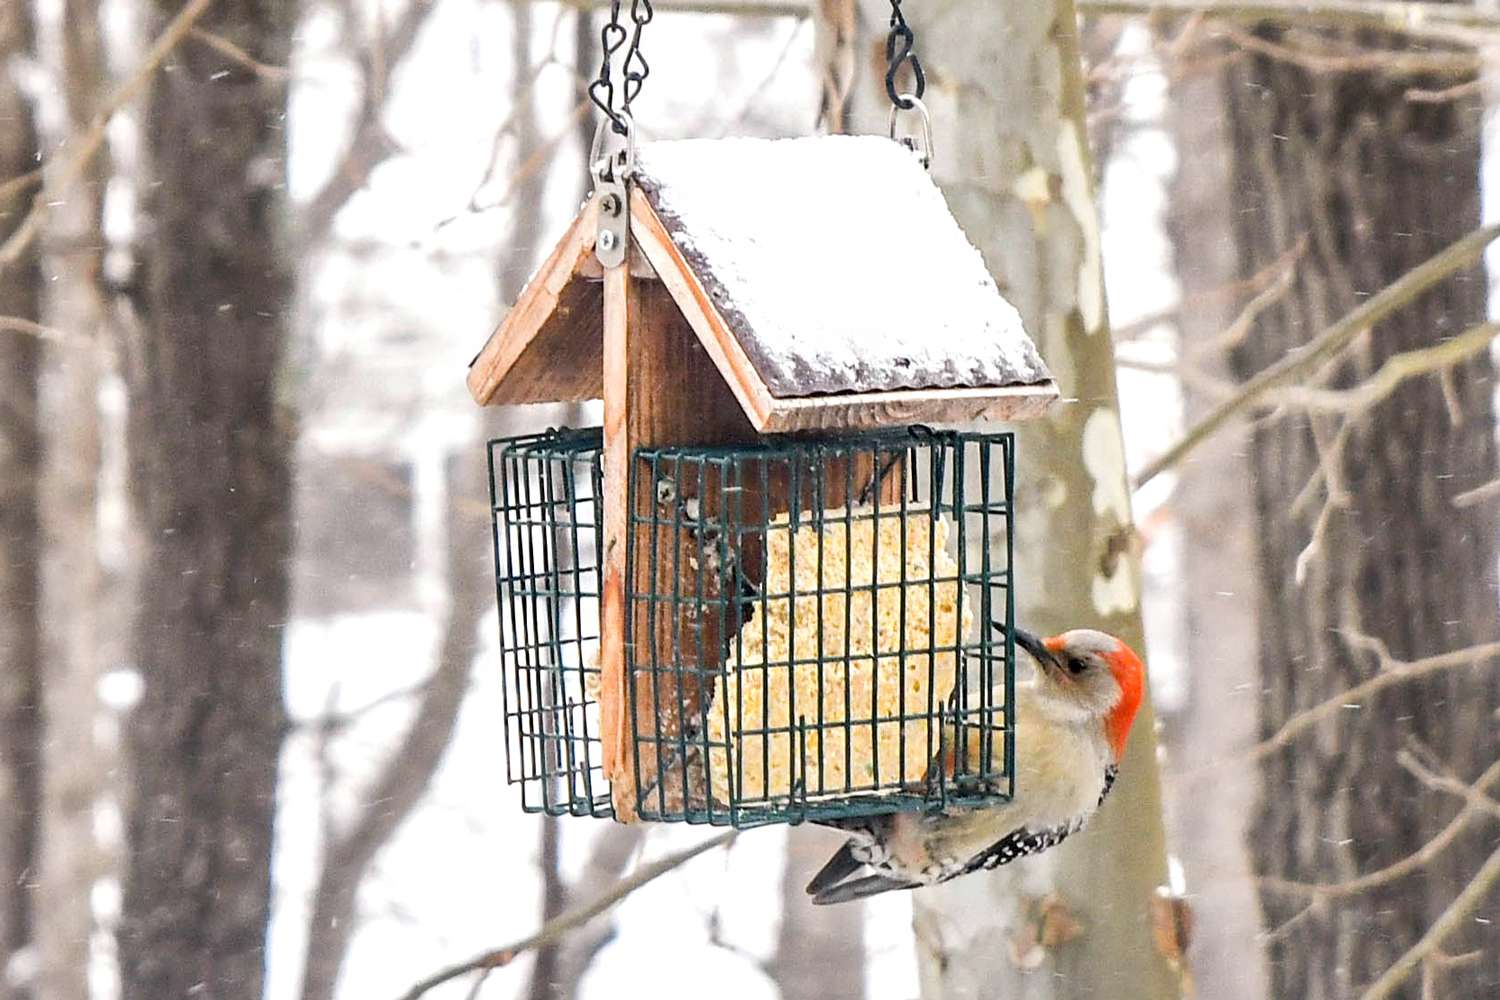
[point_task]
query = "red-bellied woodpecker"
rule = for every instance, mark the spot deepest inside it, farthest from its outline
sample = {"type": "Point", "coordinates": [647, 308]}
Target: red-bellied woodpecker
{"type": "Point", "coordinates": [1072, 722]}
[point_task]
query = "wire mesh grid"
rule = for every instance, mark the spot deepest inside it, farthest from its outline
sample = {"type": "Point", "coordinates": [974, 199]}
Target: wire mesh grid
{"type": "Point", "coordinates": [545, 492]}
{"type": "Point", "coordinates": [810, 631]}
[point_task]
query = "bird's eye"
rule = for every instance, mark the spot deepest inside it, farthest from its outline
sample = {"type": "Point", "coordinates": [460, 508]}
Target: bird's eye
{"type": "Point", "coordinates": [1077, 665]}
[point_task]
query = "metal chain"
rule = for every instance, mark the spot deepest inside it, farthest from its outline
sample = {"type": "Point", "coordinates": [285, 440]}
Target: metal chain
{"type": "Point", "coordinates": [899, 49]}
{"type": "Point", "coordinates": [612, 37]}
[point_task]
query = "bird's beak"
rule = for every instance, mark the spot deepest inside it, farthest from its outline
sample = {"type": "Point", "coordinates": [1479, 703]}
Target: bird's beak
{"type": "Point", "coordinates": [1034, 645]}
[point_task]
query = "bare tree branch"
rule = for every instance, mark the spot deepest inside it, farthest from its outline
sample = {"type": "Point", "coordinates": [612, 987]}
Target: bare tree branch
{"type": "Point", "coordinates": [15, 186]}
{"type": "Point", "coordinates": [83, 147]}
{"type": "Point", "coordinates": [1392, 672]}
{"type": "Point", "coordinates": [371, 145]}
{"type": "Point", "coordinates": [1475, 795]}
{"type": "Point", "coordinates": [1431, 20]}
{"type": "Point", "coordinates": [1397, 369]}
{"type": "Point", "coordinates": [274, 74]}
{"type": "Point", "coordinates": [1457, 912]}
{"type": "Point", "coordinates": [1327, 344]}
{"type": "Point", "coordinates": [1416, 861]}
{"type": "Point", "coordinates": [1478, 494]}
{"type": "Point", "coordinates": [576, 916]}
{"type": "Point", "coordinates": [31, 328]}
{"type": "Point", "coordinates": [737, 8]}
{"type": "Point", "coordinates": [1313, 53]}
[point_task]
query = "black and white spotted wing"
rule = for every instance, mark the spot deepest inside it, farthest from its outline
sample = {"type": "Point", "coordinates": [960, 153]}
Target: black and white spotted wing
{"type": "Point", "coordinates": [1023, 842]}
{"type": "Point", "coordinates": [1019, 844]}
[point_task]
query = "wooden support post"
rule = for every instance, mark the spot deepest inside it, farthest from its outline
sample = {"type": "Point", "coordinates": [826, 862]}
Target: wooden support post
{"type": "Point", "coordinates": [660, 388]}
{"type": "Point", "coordinates": [612, 688]}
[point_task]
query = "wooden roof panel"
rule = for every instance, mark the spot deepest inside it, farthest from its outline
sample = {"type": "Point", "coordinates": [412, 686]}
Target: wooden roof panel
{"type": "Point", "coordinates": [837, 265]}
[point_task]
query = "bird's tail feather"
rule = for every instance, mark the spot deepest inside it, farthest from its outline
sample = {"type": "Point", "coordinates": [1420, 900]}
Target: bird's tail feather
{"type": "Point", "coordinates": [870, 885]}
{"type": "Point", "coordinates": [838, 868]}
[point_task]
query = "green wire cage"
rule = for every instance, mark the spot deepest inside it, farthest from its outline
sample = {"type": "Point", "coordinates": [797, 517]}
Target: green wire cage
{"type": "Point", "coordinates": [810, 629]}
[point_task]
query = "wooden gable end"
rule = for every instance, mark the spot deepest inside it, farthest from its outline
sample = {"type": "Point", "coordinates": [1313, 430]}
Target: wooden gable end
{"type": "Point", "coordinates": [549, 347]}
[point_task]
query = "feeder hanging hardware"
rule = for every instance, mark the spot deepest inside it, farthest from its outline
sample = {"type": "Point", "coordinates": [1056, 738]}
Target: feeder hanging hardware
{"type": "Point", "coordinates": [612, 37]}
{"type": "Point", "coordinates": [612, 159]}
{"type": "Point", "coordinates": [900, 48]}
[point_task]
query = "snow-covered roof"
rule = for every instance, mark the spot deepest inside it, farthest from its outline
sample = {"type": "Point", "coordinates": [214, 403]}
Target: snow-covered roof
{"type": "Point", "coordinates": [837, 265]}
{"type": "Point", "coordinates": [824, 277]}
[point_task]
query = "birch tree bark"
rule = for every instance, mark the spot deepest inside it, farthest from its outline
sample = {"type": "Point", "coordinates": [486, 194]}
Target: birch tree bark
{"type": "Point", "coordinates": [78, 604]}
{"type": "Point", "coordinates": [210, 465]}
{"type": "Point", "coordinates": [1006, 90]}
{"type": "Point", "coordinates": [20, 535]}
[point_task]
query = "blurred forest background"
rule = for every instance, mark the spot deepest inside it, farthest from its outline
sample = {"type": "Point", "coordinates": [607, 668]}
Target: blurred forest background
{"type": "Point", "coordinates": [249, 710]}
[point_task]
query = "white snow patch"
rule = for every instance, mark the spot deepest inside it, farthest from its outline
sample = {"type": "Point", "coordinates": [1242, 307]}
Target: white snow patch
{"type": "Point", "coordinates": [844, 262]}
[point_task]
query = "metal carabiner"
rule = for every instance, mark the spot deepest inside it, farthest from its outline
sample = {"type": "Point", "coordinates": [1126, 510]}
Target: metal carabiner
{"type": "Point", "coordinates": [924, 150]}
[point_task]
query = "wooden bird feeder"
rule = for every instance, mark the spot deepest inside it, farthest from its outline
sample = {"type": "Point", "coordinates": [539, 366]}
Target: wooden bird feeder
{"type": "Point", "coordinates": [764, 591]}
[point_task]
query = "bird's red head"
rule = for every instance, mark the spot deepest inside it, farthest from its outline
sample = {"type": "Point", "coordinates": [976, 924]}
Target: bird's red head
{"type": "Point", "coordinates": [1080, 659]}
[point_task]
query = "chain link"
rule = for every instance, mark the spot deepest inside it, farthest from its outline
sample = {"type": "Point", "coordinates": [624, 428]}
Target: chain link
{"type": "Point", "coordinates": [899, 48]}
{"type": "Point", "coordinates": [612, 37]}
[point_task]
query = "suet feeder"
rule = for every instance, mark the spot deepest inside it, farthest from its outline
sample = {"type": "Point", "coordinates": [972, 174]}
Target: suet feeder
{"type": "Point", "coordinates": [766, 589]}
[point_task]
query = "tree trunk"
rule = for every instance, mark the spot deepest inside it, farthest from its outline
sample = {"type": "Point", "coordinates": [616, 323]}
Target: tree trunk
{"type": "Point", "coordinates": [1375, 183]}
{"type": "Point", "coordinates": [1208, 810]}
{"type": "Point", "coordinates": [79, 769]}
{"type": "Point", "coordinates": [820, 950]}
{"type": "Point", "coordinates": [210, 448]}
{"type": "Point", "coordinates": [21, 737]}
{"type": "Point", "coordinates": [1013, 160]}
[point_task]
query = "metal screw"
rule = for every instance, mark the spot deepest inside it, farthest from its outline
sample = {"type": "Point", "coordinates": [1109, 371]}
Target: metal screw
{"type": "Point", "coordinates": [606, 241]}
{"type": "Point", "coordinates": [611, 204]}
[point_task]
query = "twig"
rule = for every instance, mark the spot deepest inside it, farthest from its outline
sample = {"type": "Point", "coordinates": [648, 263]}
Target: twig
{"type": "Point", "coordinates": [518, 98]}
{"type": "Point", "coordinates": [371, 145]}
{"type": "Point", "coordinates": [18, 185]}
{"type": "Point", "coordinates": [1274, 291]}
{"type": "Point", "coordinates": [31, 328]}
{"type": "Point", "coordinates": [1474, 795]}
{"type": "Point", "coordinates": [1397, 369]}
{"type": "Point", "coordinates": [1397, 63]}
{"type": "Point", "coordinates": [86, 145]}
{"type": "Point", "coordinates": [1130, 331]}
{"type": "Point", "coordinates": [570, 918]}
{"type": "Point", "coordinates": [1422, 95]}
{"type": "Point", "coordinates": [331, 722]}
{"type": "Point", "coordinates": [479, 982]}
{"type": "Point", "coordinates": [224, 47]}
{"type": "Point", "coordinates": [1394, 672]}
{"type": "Point", "coordinates": [1433, 20]}
{"type": "Point", "coordinates": [1328, 343]}
{"type": "Point", "coordinates": [527, 168]}
{"type": "Point", "coordinates": [1415, 861]}
{"type": "Point", "coordinates": [1277, 274]}
{"type": "Point", "coordinates": [736, 8]}
{"type": "Point", "coordinates": [1277, 933]}
{"type": "Point", "coordinates": [1479, 494]}
{"type": "Point", "coordinates": [1458, 911]}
